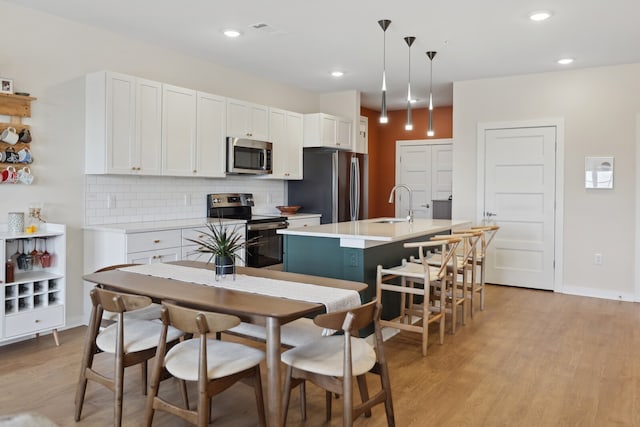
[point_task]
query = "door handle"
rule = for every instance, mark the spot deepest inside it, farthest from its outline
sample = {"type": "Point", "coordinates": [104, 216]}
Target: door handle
{"type": "Point", "coordinates": [426, 205]}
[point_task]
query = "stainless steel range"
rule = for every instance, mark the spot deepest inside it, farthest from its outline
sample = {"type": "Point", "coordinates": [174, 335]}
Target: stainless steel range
{"type": "Point", "coordinates": [238, 206]}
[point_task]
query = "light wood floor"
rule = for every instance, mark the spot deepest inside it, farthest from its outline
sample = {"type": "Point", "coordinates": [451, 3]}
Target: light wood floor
{"type": "Point", "coordinates": [532, 358]}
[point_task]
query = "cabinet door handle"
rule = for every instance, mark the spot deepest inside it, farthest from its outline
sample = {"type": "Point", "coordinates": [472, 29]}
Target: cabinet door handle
{"type": "Point", "coordinates": [156, 241]}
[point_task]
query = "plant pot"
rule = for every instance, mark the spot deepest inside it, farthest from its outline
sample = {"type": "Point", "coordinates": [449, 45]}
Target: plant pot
{"type": "Point", "coordinates": [224, 265]}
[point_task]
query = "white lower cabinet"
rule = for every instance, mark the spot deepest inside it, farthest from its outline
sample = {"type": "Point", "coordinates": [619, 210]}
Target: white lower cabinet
{"type": "Point", "coordinates": [303, 222]}
{"type": "Point", "coordinates": [34, 301]}
{"type": "Point", "coordinates": [104, 247]}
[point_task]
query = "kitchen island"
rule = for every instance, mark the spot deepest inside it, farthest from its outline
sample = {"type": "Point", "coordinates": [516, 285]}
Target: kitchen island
{"type": "Point", "coordinates": [352, 250]}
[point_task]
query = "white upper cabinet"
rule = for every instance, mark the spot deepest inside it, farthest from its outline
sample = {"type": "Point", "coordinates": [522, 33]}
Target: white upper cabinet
{"type": "Point", "coordinates": [193, 133]}
{"type": "Point", "coordinates": [325, 130]}
{"type": "Point", "coordinates": [286, 135]}
{"type": "Point", "coordinates": [247, 120]}
{"type": "Point", "coordinates": [123, 124]}
{"type": "Point", "coordinates": [178, 131]}
{"type": "Point", "coordinates": [210, 160]}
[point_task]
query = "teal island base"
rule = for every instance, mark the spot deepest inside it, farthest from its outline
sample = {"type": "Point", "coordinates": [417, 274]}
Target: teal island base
{"type": "Point", "coordinates": [323, 256]}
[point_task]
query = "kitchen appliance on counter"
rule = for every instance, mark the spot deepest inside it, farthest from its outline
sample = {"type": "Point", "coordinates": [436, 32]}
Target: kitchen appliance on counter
{"type": "Point", "coordinates": [249, 156]}
{"type": "Point", "coordinates": [334, 185]}
{"type": "Point", "coordinates": [238, 206]}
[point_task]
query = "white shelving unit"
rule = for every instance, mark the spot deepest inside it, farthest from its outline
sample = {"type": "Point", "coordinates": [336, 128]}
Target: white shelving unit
{"type": "Point", "coordinates": [34, 301]}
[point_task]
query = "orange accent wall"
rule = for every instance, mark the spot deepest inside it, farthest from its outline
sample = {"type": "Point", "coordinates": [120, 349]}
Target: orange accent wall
{"type": "Point", "coordinates": [382, 149]}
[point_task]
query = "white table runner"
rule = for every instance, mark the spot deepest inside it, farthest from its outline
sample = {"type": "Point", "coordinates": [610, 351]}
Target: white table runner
{"type": "Point", "coordinates": [334, 299]}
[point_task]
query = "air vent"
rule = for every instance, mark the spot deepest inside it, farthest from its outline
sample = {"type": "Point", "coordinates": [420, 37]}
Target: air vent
{"type": "Point", "coordinates": [265, 28]}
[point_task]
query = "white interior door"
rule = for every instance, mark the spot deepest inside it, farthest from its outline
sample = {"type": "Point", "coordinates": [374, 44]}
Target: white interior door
{"type": "Point", "coordinates": [414, 170]}
{"type": "Point", "coordinates": [442, 171]}
{"type": "Point", "coordinates": [519, 196]}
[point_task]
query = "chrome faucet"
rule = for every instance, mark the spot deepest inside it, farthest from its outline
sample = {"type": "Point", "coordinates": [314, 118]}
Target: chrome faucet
{"type": "Point", "coordinates": [395, 187]}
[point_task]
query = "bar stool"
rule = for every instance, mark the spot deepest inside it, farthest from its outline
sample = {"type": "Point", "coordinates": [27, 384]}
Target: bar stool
{"type": "Point", "coordinates": [428, 277]}
{"type": "Point", "coordinates": [488, 233]}
{"type": "Point", "coordinates": [463, 286]}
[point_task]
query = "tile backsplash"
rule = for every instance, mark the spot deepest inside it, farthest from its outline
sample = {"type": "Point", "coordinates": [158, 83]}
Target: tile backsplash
{"type": "Point", "coordinates": [113, 199]}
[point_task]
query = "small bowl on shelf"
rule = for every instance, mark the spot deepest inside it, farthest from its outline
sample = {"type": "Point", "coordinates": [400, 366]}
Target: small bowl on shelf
{"type": "Point", "coordinates": [288, 210]}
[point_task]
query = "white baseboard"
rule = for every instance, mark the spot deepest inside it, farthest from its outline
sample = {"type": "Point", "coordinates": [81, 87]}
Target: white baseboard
{"type": "Point", "coordinates": [597, 293]}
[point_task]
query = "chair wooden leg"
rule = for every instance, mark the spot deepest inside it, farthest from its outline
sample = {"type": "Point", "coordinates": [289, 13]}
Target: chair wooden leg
{"type": "Point", "coordinates": [257, 386]}
{"type": "Point", "coordinates": [119, 385]}
{"type": "Point", "coordinates": [303, 400]}
{"type": "Point", "coordinates": [364, 392]}
{"type": "Point", "coordinates": [87, 362]}
{"type": "Point", "coordinates": [328, 402]}
{"type": "Point", "coordinates": [143, 374]}
{"type": "Point", "coordinates": [385, 383]}
{"type": "Point", "coordinates": [425, 326]}
{"type": "Point", "coordinates": [454, 317]}
{"type": "Point", "coordinates": [55, 337]}
{"type": "Point", "coordinates": [182, 385]}
{"type": "Point", "coordinates": [286, 394]}
{"type": "Point", "coordinates": [482, 284]}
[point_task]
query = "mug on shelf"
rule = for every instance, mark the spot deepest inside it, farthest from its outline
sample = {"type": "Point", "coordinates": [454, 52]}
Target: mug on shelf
{"type": "Point", "coordinates": [10, 156]}
{"type": "Point", "coordinates": [9, 135]}
{"type": "Point", "coordinates": [24, 156]}
{"type": "Point", "coordinates": [24, 135]}
{"type": "Point", "coordinates": [9, 175]}
{"type": "Point", "coordinates": [24, 175]}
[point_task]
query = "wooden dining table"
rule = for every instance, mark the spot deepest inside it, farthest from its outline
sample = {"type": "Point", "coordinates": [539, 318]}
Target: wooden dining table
{"type": "Point", "coordinates": [269, 311]}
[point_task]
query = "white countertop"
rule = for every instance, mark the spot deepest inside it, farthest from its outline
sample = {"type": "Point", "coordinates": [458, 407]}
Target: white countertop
{"type": "Point", "coordinates": [140, 227]}
{"type": "Point", "coordinates": [372, 232]}
{"type": "Point", "coordinates": [302, 215]}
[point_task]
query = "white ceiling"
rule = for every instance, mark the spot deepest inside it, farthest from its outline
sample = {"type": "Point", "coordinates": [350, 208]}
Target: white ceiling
{"type": "Point", "coordinates": [304, 40]}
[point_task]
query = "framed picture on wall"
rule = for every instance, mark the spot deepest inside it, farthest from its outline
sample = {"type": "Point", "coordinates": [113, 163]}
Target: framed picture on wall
{"type": "Point", "coordinates": [598, 172]}
{"type": "Point", "coordinates": [6, 85]}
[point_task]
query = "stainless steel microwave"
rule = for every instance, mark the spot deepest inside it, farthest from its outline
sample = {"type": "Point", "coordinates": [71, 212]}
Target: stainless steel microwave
{"type": "Point", "coordinates": [248, 156]}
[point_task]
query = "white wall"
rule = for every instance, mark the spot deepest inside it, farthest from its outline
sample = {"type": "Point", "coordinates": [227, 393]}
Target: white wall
{"type": "Point", "coordinates": [599, 107]}
{"type": "Point", "coordinates": [48, 57]}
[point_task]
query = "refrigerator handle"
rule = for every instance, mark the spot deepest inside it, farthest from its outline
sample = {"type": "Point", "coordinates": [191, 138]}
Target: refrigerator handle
{"type": "Point", "coordinates": [354, 189]}
{"type": "Point", "coordinates": [334, 187]}
{"type": "Point", "coordinates": [357, 181]}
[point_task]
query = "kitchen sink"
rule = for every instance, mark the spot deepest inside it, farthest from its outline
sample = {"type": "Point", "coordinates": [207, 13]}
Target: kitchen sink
{"type": "Point", "coordinates": [390, 220]}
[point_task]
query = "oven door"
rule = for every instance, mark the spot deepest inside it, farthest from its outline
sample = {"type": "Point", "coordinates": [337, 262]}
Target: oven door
{"type": "Point", "coordinates": [269, 248]}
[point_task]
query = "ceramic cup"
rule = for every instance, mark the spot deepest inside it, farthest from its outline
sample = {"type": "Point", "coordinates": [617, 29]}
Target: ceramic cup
{"type": "Point", "coordinates": [24, 156]}
{"type": "Point", "coordinates": [9, 135]}
{"type": "Point", "coordinates": [24, 175]}
{"type": "Point", "coordinates": [10, 156]}
{"type": "Point", "coordinates": [24, 136]}
{"type": "Point", "coordinates": [3, 156]}
{"type": "Point", "coordinates": [9, 175]}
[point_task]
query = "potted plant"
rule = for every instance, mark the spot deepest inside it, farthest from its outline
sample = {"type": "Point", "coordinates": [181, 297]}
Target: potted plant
{"type": "Point", "coordinates": [222, 244]}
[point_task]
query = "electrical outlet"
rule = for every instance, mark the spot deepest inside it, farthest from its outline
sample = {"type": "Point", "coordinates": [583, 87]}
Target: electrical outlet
{"type": "Point", "coordinates": [187, 200]}
{"type": "Point", "coordinates": [111, 201]}
{"type": "Point", "coordinates": [597, 259]}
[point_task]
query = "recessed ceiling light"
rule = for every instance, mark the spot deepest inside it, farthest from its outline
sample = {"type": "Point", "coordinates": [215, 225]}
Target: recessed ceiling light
{"type": "Point", "coordinates": [337, 73]}
{"type": "Point", "coordinates": [565, 61]}
{"type": "Point", "coordinates": [540, 15]}
{"type": "Point", "coordinates": [232, 34]}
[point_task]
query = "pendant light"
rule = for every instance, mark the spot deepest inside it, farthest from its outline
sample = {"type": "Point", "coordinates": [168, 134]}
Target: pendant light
{"type": "Point", "coordinates": [384, 24]}
{"type": "Point", "coordinates": [431, 54]}
{"type": "Point", "coordinates": [409, 124]}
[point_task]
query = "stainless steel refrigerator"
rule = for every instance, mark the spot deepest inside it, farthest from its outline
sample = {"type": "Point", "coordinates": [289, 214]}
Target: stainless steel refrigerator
{"type": "Point", "coordinates": [334, 184]}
